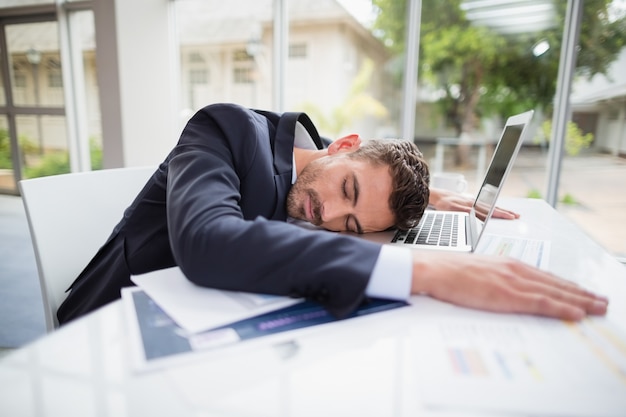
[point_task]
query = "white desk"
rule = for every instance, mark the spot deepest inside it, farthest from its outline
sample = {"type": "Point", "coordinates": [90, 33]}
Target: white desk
{"type": "Point", "coordinates": [361, 367]}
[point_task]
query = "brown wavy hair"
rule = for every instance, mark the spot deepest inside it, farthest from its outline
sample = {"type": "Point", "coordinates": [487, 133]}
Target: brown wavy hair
{"type": "Point", "coordinates": [409, 173]}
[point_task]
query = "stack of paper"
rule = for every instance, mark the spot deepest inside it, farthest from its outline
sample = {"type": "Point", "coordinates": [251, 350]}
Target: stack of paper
{"type": "Point", "coordinates": [169, 317]}
{"type": "Point", "coordinates": [196, 308]}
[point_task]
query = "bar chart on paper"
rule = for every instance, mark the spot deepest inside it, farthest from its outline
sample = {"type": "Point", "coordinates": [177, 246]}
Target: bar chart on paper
{"type": "Point", "coordinates": [488, 351]}
{"type": "Point", "coordinates": [495, 364]}
{"type": "Point", "coordinates": [527, 365]}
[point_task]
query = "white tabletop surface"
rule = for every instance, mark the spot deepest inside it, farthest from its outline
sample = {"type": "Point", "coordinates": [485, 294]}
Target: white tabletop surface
{"type": "Point", "coordinates": [378, 365]}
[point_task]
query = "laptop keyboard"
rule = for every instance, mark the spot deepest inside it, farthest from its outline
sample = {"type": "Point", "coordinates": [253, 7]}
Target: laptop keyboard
{"type": "Point", "coordinates": [436, 229]}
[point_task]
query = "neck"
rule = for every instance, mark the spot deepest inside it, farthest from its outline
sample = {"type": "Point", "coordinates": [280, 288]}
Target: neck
{"type": "Point", "coordinates": [304, 156]}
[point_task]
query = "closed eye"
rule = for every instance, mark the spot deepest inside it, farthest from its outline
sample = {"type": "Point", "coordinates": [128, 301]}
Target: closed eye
{"type": "Point", "coordinates": [355, 227]}
{"type": "Point", "coordinates": [352, 223]}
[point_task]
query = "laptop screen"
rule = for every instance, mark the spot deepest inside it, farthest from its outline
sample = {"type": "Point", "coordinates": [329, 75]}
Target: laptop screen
{"type": "Point", "coordinates": [505, 152]}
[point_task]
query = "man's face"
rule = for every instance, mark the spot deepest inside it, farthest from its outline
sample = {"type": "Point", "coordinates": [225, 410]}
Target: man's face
{"type": "Point", "coordinates": [342, 194]}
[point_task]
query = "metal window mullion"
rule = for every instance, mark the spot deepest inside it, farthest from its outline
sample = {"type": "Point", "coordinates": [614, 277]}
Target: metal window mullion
{"type": "Point", "coordinates": [37, 111]}
{"type": "Point", "coordinates": [281, 35]}
{"type": "Point", "coordinates": [413, 24]}
{"type": "Point", "coordinates": [73, 82]}
{"type": "Point", "coordinates": [567, 65]}
{"type": "Point", "coordinates": [10, 110]}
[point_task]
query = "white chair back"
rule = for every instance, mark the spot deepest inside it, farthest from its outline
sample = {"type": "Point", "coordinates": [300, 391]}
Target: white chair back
{"type": "Point", "coordinates": [70, 217]}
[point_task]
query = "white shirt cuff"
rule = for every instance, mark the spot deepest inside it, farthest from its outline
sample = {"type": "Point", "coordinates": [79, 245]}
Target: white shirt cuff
{"type": "Point", "coordinates": [391, 277]}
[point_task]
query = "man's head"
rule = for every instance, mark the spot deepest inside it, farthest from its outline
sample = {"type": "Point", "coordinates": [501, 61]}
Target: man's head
{"type": "Point", "coordinates": [362, 187]}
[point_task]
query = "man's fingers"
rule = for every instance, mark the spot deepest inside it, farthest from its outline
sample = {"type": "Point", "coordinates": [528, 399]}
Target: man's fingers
{"type": "Point", "coordinates": [557, 299]}
{"type": "Point", "coordinates": [555, 285]}
{"type": "Point", "coordinates": [545, 306]}
{"type": "Point", "coordinates": [505, 214]}
{"type": "Point", "coordinates": [563, 308]}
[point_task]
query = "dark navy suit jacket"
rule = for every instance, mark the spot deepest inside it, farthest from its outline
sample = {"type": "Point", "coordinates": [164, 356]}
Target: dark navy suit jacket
{"type": "Point", "coordinates": [216, 208]}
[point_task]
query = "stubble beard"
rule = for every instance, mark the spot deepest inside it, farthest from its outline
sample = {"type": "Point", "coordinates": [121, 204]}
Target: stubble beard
{"type": "Point", "coordinates": [294, 209]}
{"type": "Point", "coordinates": [296, 199]}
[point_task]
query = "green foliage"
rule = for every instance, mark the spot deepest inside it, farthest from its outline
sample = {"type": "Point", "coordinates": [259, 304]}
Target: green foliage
{"type": "Point", "coordinates": [5, 150]}
{"type": "Point", "coordinates": [52, 163]}
{"type": "Point", "coordinates": [390, 22]}
{"type": "Point", "coordinates": [567, 199]}
{"type": "Point", "coordinates": [95, 152]}
{"type": "Point", "coordinates": [600, 38]}
{"type": "Point", "coordinates": [462, 59]}
{"type": "Point", "coordinates": [575, 140]}
{"type": "Point", "coordinates": [58, 162]}
{"type": "Point", "coordinates": [28, 146]}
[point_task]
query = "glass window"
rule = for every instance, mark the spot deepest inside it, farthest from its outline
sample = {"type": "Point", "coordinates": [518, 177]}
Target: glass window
{"type": "Point", "coordinates": [85, 88]}
{"type": "Point", "coordinates": [23, 3]}
{"type": "Point", "coordinates": [199, 76]}
{"type": "Point", "coordinates": [7, 179]}
{"type": "Point", "coordinates": [297, 50]}
{"type": "Point", "coordinates": [196, 58]}
{"type": "Point", "coordinates": [34, 110]}
{"type": "Point", "coordinates": [593, 174]}
{"type": "Point", "coordinates": [243, 76]}
{"type": "Point", "coordinates": [34, 55]}
{"type": "Point", "coordinates": [55, 78]}
{"type": "Point", "coordinates": [19, 80]}
{"type": "Point", "coordinates": [34, 125]}
{"type": "Point", "coordinates": [231, 46]}
{"type": "Point", "coordinates": [479, 63]}
{"type": "Point", "coordinates": [43, 145]}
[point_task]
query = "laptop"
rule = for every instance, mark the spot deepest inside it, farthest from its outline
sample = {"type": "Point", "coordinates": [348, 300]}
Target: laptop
{"type": "Point", "coordinates": [461, 231]}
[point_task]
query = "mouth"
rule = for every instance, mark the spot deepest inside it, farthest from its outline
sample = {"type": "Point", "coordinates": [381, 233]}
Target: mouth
{"type": "Point", "coordinates": [308, 209]}
{"type": "Point", "coordinates": [311, 212]}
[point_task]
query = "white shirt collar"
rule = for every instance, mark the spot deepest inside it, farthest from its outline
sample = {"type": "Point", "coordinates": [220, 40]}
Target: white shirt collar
{"type": "Point", "coordinates": [302, 140]}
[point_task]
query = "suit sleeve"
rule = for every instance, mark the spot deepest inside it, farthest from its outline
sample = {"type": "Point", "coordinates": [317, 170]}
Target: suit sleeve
{"type": "Point", "coordinates": [216, 246]}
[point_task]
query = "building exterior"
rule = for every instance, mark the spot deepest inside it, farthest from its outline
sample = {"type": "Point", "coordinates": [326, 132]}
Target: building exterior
{"type": "Point", "coordinates": [227, 55]}
{"type": "Point", "coordinates": [134, 97]}
{"type": "Point", "coordinates": [599, 107]}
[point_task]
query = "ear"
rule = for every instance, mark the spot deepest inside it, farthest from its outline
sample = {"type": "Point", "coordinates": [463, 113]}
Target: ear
{"type": "Point", "coordinates": [348, 143]}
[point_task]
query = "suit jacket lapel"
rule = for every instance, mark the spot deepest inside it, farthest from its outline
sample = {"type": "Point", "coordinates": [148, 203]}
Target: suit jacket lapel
{"type": "Point", "coordinates": [284, 141]}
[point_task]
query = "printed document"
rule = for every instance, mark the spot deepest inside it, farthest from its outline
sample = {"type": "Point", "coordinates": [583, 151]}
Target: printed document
{"type": "Point", "coordinates": [525, 366]}
{"type": "Point", "coordinates": [531, 251]}
{"type": "Point", "coordinates": [196, 308]}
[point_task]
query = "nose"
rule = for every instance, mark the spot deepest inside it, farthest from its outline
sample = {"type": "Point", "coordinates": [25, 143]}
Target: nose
{"type": "Point", "coordinates": [335, 211]}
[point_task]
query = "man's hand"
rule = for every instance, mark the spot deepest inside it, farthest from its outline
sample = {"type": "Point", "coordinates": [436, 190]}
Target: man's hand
{"type": "Point", "coordinates": [501, 284]}
{"type": "Point", "coordinates": [446, 200]}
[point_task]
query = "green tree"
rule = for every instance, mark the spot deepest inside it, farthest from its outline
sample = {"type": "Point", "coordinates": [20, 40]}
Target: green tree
{"type": "Point", "coordinates": [483, 72]}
